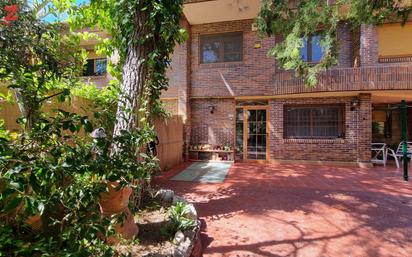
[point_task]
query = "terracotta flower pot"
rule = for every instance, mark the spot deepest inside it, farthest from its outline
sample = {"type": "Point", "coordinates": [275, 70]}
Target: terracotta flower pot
{"type": "Point", "coordinates": [116, 202]}
{"type": "Point", "coordinates": [34, 222]}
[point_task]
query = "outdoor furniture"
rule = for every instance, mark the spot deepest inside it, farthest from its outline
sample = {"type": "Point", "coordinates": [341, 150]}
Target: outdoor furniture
{"type": "Point", "coordinates": [398, 154]}
{"type": "Point", "coordinates": [379, 153]}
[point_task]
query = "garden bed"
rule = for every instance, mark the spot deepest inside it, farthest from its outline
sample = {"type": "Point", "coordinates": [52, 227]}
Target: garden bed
{"type": "Point", "coordinates": [157, 235]}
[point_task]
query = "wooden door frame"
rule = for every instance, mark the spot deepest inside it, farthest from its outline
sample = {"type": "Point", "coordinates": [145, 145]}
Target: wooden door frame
{"type": "Point", "coordinates": [246, 132]}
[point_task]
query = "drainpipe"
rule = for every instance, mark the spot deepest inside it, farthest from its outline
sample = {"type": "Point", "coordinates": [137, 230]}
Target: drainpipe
{"type": "Point", "coordinates": [404, 140]}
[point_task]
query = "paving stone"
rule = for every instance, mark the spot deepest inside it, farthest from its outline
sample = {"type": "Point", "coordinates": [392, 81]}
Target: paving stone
{"type": "Point", "coordinates": [301, 210]}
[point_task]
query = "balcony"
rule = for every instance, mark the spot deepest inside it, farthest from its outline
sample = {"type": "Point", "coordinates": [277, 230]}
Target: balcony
{"type": "Point", "coordinates": [347, 79]}
{"type": "Point", "coordinates": [210, 11]}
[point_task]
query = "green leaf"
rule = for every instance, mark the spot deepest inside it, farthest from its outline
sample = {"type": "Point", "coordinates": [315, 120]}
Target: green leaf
{"type": "Point", "coordinates": [88, 126]}
{"type": "Point", "coordinates": [13, 204]}
{"type": "Point", "coordinates": [144, 155]}
{"type": "Point", "coordinates": [18, 185]}
{"type": "Point", "coordinates": [40, 207]}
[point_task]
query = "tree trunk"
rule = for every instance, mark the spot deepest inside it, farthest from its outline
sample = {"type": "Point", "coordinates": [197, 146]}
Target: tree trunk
{"type": "Point", "coordinates": [134, 76]}
{"type": "Point", "coordinates": [26, 108]}
{"type": "Point", "coordinates": [135, 71]}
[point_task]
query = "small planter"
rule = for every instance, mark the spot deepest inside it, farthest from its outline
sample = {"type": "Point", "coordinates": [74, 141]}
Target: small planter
{"type": "Point", "coordinates": [152, 241]}
{"type": "Point", "coordinates": [116, 202]}
{"type": "Point", "coordinates": [34, 222]}
{"type": "Point", "coordinates": [46, 222]}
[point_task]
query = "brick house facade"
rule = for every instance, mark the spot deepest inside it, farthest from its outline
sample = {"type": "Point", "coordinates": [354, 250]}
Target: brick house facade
{"type": "Point", "coordinates": [368, 79]}
{"type": "Point", "coordinates": [360, 75]}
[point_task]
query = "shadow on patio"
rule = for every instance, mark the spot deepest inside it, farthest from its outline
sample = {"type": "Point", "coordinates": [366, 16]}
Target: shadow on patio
{"type": "Point", "coordinates": [303, 210]}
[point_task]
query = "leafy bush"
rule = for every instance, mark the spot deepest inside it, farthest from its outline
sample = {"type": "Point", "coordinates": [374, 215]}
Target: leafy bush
{"type": "Point", "coordinates": [103, 101]}
{"type": "Point", "coordinates": [179, 219]}
{"type": "Point", "coordinates": [54, 172]}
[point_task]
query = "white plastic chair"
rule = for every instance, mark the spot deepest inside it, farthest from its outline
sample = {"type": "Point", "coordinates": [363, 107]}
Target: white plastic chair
{"type": "Point", "coordinates": [379, 153]}
{"type": "Point", "coordinates": [398, 155]}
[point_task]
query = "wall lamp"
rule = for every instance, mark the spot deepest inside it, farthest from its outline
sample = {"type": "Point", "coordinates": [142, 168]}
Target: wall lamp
{"type": "Point", "coordinates": [354, 104]}
{"type": "Point", "coordinates": [212, 109]}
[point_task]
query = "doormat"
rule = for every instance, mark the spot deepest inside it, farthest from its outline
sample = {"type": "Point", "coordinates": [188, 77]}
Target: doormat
{"type": "Point", "coordinates": [205, 172]}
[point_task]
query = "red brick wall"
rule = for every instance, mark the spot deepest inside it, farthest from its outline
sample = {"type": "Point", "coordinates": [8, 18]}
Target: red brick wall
{"type": "Point", "coordinates": [178, 73]}
{"type": "Point", "coordinates": [218, 129]}
{"type": "Point", "coordinates": [348, 79]}
{"type": "Point", "coordinates": [355, 145]}
{"type": "Point", "coordinates": [171, 106]}
{"type": "Point", "coordinates": [212, 128]}
{"type": "Point", "coordinates": [252, 76]}
{"type": "Point", "coordinates": [369, 52]}
{"type": "Point", "coordinates": [257, 75]}
{"type": "Point", "coordinates": [345, 45]}
{"type": "Point", "coordinates": [180, 84]}
{"type": "Point", "coordinates": [364, 127]}
{"type": "Point", "coordinates": [368, 45]}
{"type": "Point", "coordinates": [355, 47]}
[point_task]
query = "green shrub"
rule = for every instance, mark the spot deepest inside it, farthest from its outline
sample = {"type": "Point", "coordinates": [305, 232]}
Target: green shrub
{"type": "Point", "coordinates": [53, 172]}
{"type": "Point", "coordinates": [179, 219]}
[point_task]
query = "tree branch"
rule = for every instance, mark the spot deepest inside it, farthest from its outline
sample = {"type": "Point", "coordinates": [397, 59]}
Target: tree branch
{"type": "Point", "coordinates": [50, 96]}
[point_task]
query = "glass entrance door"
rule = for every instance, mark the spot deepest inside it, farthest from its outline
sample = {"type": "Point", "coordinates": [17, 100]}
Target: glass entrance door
{"type": "Point", "coordinates": [256, 135]}
{"type": "Point", "coordinates": [251, 133]}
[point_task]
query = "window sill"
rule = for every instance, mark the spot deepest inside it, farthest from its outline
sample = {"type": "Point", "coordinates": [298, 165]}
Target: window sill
{"type": "Point", "coordinates": [221, 64]}
{"type": "Point", "coordinates": [314, 141]}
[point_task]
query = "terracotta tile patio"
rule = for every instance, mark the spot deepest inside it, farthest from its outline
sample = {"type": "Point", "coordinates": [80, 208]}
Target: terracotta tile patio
{"type": "Point", "coordinates": [302, 210]}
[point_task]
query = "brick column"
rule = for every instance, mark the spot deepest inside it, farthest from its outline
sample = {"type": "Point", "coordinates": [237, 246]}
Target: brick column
{"type": "Point", "coordinates": [368, 45]}
{"type": "Point", "coordinates": [364, 128]}
{"type": "Point", "coordinates": [275, 129]}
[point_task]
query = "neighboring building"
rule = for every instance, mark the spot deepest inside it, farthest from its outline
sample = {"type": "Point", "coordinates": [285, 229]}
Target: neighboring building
{"type": "Point", "coordinates": [229, 92]}
{"type": "Point", "coordinates": [95, 69]}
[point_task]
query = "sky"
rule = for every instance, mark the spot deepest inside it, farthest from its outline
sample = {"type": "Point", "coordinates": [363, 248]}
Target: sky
{"type": "Point", "coordinates": [62, 17]}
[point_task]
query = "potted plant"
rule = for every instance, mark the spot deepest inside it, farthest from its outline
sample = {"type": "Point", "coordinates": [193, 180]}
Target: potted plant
{"type": "Point", "coordinates": [115, 202]}
{"type": "Point", "coordinates": [122, 173]}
